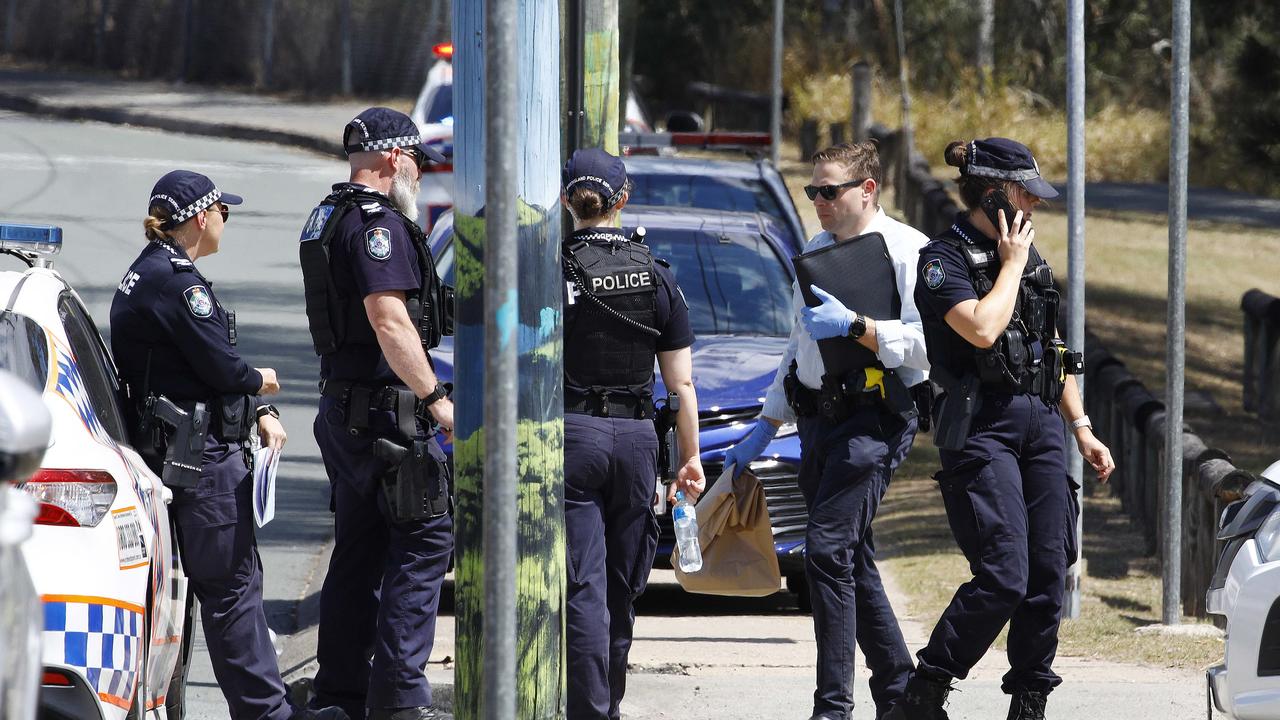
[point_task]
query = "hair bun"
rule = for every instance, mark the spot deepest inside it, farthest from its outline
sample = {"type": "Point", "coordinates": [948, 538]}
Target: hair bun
{"type": "Point", "coordinates": [957, 154]}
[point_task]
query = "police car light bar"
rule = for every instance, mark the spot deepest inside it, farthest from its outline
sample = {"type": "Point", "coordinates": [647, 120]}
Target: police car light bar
{"type": "Point", "coordinates": [31, 242]}
{"type": "Point", "coordinates": [707, 141]}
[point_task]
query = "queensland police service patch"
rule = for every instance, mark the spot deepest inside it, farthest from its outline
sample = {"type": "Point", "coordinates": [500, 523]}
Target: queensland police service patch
{"type": "Point", "coordinates": [934, 275]}
{"type": "Point", "coordinates": [198, 301]}
{"type": "Point", "coordinates": [377, 242]}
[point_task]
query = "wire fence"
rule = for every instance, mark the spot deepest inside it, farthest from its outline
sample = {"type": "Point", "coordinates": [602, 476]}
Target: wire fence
{"type": "Point", "coordinates": [315, 47]}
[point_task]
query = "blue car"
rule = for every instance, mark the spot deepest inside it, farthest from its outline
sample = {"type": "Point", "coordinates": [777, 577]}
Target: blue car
{"type": "Point", "coordinates": [734, 269]}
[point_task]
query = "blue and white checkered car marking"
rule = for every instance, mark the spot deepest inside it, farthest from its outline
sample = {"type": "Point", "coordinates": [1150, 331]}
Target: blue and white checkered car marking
{"type": "Point", "coordinates": [102, 640]}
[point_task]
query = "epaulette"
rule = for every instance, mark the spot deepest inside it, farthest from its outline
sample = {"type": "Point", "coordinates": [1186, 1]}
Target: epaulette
{"type": "Point", "coordinates": [663, 262]}
{"type": "Point", "coordinates": [182, 265]}
{"type": "Point", "coordinates": [370, 209]}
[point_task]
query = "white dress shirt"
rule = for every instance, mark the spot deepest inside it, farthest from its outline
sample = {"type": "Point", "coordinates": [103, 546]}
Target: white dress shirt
{"type": "Point", "coordinates": [901, 341]}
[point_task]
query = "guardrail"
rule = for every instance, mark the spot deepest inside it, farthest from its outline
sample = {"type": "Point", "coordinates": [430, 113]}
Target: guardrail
{"type": "Point", "coordinates": [1126, 416]}
{"type": "Point", "coordinates": [1261, 354]}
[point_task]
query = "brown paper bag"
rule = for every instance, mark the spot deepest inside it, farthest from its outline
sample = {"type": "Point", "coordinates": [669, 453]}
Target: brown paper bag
{"type": "Point", "coordinates": [737, 541]}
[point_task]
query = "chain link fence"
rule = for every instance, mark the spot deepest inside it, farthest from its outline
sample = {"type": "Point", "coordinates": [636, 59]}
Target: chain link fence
{"type": "Point", "coordinates": [313, 47]}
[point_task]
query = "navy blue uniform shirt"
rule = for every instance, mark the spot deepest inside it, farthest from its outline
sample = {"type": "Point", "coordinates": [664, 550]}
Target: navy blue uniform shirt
{"type": "Point", "coordinates": [166, 310]}
{"type": "Point", "coordinates": [943, 283]}
{"type": "Point", "coordinates": [371, 252]}
{"type": "Point", "coordinates": [672, 310]}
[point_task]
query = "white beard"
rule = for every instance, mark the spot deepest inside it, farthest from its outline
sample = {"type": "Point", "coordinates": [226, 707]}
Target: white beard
{"type": "Point", "coordinates": [404, 193]}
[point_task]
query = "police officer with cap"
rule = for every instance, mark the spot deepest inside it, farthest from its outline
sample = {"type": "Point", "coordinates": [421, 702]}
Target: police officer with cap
{"type": "Point", "coordinates": [375, 306]}
{"type": "Point", "coordinates": [989, 307]}
{"type": "Point", "coordinates": [622, 308]}
{"type": "Point", "coordinates": [175, 345]}
{"type": "Point", "coordinates": [851, 437]}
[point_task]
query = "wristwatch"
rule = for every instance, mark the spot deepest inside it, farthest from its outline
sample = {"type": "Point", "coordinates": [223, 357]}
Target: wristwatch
{"type": "Point", "coordinates": [440, 393]}
{"type": "Point", "coordinates": [268, 410]}
{"type": "Point", "coordinates": [858, 327]}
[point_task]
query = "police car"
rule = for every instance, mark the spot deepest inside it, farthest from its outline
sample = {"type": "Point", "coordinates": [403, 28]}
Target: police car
{"type": "Point", "coordinates": [103, 556]}
{"type": "Point", "coordinates": [734, 269]}
{"type": "Point", "coordinates": [1245, 590]}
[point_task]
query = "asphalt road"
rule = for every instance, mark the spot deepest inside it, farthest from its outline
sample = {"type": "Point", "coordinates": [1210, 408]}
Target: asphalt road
{"type": "Point", "coordinates": [695, 657]}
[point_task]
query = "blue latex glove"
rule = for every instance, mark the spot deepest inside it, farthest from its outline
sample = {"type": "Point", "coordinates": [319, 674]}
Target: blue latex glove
{"type": "Point", "coordinates": [750, 447]}
{"type": "Point", "coordinates": [828, 320]}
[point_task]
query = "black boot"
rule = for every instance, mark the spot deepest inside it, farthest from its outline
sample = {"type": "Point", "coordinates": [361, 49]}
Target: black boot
{"type": "Point", "coordinates": [1027, 705]}
{"type": "Point", "coordinates": [922, 699]}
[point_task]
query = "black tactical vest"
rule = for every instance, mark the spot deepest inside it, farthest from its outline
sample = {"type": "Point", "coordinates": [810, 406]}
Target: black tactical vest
{"type": "Point", "coordinates": [334, 317]}
{"type": "Point", "coordinates": [609, 338]}
{"type": "Point", "coordinates": [1012, 363]}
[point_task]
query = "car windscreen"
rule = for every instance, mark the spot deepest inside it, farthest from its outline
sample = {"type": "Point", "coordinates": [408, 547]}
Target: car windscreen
{"type": "Point", "coordinates": [733, 282]}
{"type": "Point", "coordinates": [441, 108]}
{"type": "Point", "coordinates": [24, 351]}
{"type": "Point", "coordinates": [704, 191]}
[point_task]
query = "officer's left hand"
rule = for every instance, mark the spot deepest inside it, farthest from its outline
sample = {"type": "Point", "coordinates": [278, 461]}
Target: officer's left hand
{"type": "Point", "coordinates": [828, 320]}
{"type": "Point", "coordinates": [271, 432]}
{"type": "Point", "coordinates": [1095, 453]}
{"type": "Point", "coordinates": [690, 480]}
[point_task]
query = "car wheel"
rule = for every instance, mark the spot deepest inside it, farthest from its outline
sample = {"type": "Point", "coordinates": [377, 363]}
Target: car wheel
{"type": "Point", "coordinates": [175, 700]}
{"type": "Point", "coordinates": [799, 585]}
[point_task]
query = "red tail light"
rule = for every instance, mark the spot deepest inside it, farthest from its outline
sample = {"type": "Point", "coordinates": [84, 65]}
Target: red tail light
{"type": "Point", "coordinates": [71, 498]}
{"type": "Point", "coordinates": [444, 51]}
{"type": "Point", "coordinates": [56, 679]}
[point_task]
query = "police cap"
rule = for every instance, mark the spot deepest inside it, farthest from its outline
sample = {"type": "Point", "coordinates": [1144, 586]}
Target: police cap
{"type": "Point", "coordinates": [595, 169]}
{"type": "Point", "coordinates": [1007, 159]}
{"type": "Point", "coordinates": [184, 193]}
{"type": "Point", "coordinates": [381, 128]}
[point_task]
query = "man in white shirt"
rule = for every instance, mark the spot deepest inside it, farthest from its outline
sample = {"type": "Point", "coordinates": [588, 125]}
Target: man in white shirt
{"type": "Point", "coordinates": [851, 440]}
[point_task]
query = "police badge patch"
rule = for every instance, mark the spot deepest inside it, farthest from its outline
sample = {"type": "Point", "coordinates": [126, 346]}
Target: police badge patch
{"type": "Point", "coordinates": [934, 275]}
{"type": "Point", "coordinates": [377, 242]}
{"type": "Point", "coordinates": [198, 301]}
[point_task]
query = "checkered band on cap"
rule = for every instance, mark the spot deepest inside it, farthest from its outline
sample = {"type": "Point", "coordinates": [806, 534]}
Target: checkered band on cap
{"type": "Point", "coordinates": [390, 143]}
{"type": "Point", "coordinates": [189, 211]}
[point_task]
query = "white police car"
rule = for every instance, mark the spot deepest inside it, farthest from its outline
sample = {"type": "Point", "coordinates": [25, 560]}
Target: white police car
{"type": "Point", "coordinates": [1245, 590]}
{"type": "Point", "coordinates": [103, 557]}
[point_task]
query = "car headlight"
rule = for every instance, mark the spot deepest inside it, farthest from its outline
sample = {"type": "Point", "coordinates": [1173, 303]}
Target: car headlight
{"type": "Point", "coordinates": [1268, 538]}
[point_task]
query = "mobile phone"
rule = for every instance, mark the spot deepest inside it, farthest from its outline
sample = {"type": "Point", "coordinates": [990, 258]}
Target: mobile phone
{"type": "Point", "coordinates": [995, 201]}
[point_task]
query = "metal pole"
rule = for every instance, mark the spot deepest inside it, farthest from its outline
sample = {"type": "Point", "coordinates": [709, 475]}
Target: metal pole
{"type": "Point", "coordinates": [1175, 363]}
{"type": "Point", "coordinates": [775, 111]}
{"type": "Point", "coordinates": [861, 101]}
{"type": "Point", "coordinates": [501, 279]}
{"type": "Point", "coordinates": [344, 15]}
{"type": "Point", "coordinates": [1075, 255]}
{"type": "Point", "coordinates": [268, 40]}
{"type": "Point", "coordinates": [908, 134]}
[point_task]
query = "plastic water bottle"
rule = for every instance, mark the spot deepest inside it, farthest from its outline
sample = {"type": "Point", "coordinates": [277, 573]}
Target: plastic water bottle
{"type": "Point", "coordinates": [685, 519]}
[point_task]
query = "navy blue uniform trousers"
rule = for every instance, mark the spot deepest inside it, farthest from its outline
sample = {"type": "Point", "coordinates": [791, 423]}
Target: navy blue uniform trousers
{"type": "Point", "coordinates": [1012, 509]}
{"type": "Point", "coordinates": [382, 590]}
{"type": "Point", "coordinates": [610, 470]}
{"type": "Point", "coordinates": [845, 469]}
{"type": "Point", "coordinates": [220, 555]}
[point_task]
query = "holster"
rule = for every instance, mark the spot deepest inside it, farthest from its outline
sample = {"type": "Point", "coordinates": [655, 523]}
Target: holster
{"type": "Point", "coordinates": [664, 423]}
{"type": "Point", "coordinates": [799, 397]}
{"type": "Point", "coordinates": [923, 395]}
{"type": "Point", "coordinates": [416, 485]}
{"type": "Point", "coordinates": [171, 440]}
{"type": "Point", "coordinates": [236, 418]}
{"type": "Point", "coordinates": [959, 405]}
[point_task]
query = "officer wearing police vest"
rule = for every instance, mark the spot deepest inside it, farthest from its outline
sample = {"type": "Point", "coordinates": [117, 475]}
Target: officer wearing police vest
{"type": "Point", "coordinates": [990, 310]}
{"type": "Point", "coordinates": [193, 404]}
{"type": "Point", "coordinates": [622, 308]}
{"type": "Point", "coordinates": [375, 306]}
{"type": "Point", "coordinates": [854, 430]}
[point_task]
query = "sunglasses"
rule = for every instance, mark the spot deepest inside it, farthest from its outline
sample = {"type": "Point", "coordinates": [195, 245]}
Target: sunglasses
{"type": "Point", "coordinates": [417, 157]}
{"type": "Point", "coordinates": [830, 192]}
{"type": "Point", "coordinates": [222, 208]}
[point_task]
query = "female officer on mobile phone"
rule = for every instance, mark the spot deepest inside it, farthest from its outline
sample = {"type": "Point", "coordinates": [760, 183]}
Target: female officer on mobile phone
{"type": "Point", "coordinates": [172, 338]}
{"type": "Point", "coordinates": [989, 310]}
{"type": "Point", "coordinates": [622, 309]}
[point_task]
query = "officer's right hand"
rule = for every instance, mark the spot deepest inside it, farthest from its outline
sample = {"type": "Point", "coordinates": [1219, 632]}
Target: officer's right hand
{"type": "Point", "coordinates": [270, 386]}
{"type": "Point", "coordinates": [741, 455]}
{"type": "Point", "coordinates": [1014, 244]}
{"type": "Point", "coordinates": [442, 412]}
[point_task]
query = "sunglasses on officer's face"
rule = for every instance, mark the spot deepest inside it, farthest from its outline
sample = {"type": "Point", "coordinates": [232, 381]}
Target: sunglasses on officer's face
{"type": "Point", "coordinates": [830, 192]}
{"type": "Point", "coordinates": [222, 208]}
{"type": "Point", "coordinates": [417, 157]}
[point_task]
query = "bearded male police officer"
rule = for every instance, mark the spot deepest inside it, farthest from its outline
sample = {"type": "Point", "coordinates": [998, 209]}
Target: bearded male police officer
{"type": "Point", "coordinates": [851, 441]}
{"type": "Point", "coordinates": [375, 306]}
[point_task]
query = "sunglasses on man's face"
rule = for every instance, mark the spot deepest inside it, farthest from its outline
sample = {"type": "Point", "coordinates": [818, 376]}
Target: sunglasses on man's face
{"type": "Point", "coordinates": [417, 157]}
{"type": "Point", "coordinates": [829, 192]}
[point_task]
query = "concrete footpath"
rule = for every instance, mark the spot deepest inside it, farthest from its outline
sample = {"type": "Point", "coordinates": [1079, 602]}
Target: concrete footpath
{"type": "Point", "coordinates": [695, 657]}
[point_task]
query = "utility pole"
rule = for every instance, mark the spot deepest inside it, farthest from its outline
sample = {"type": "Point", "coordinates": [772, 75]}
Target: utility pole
{"type": "Point", "coordinates": [1075, 259]}
{"type": "Point", "coordinates": [986, 43]}
{"type": "Point", "coordinates": [509, 431]}
{"type": "Point", "coordinates": [907, 134]}
{"type": "Point", "coordinates": [1176, 348]}
{"type": "Point", "coordinates": [775, 106]}
{"type": "Point", "coordinates": [600, 99]}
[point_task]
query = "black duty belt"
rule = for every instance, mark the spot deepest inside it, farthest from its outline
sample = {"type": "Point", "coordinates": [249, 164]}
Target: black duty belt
{"type": "Point", "coordinates": [359, 399]}
{"type": "Point", "coordinates": [808, 402]}
{"type": "Point", "coordinates": [608, 405]}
